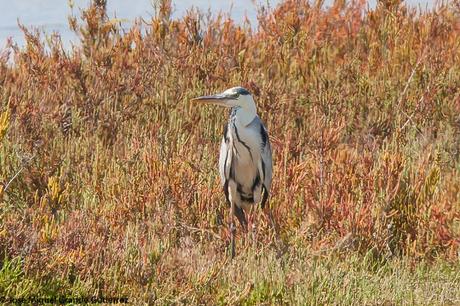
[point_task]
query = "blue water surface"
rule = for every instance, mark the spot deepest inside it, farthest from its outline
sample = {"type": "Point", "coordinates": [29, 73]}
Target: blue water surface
{"type": "Point", "coordinates": [51, 15]}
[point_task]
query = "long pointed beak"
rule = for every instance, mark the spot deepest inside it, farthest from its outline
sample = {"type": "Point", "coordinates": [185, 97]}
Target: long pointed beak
{"type": "Point", "coordinates": [218, 99]}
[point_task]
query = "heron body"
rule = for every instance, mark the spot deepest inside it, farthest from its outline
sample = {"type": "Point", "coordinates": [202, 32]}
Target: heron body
{"type": "Point", "coordinates": [245, 161]}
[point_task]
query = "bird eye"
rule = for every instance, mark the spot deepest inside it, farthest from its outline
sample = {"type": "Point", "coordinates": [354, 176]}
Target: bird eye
{"type": "Point", "coordinates": [234, 96]}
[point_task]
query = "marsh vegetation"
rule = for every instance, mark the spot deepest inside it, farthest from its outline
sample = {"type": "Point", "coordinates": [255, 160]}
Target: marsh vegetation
{"type": "Point", "coordinates": [108, 176]}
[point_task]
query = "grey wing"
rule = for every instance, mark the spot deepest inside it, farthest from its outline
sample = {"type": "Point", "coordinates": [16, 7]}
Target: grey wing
{"type": "Point", "coordinates": [224, 158]}
{"type": "Point", "coordinates": [266, 164]}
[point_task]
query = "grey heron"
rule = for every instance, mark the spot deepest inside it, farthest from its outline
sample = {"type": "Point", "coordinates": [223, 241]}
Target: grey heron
{"type": "Point", "coordinates": [245, 161]}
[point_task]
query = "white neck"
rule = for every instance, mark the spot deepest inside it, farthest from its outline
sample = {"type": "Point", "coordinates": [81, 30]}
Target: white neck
{"type": "Point", "coordinates": [245, 114]}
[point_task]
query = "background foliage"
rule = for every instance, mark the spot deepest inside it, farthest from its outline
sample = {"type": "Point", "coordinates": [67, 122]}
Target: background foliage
{"type": "Point", "coordinates": [108, 175]}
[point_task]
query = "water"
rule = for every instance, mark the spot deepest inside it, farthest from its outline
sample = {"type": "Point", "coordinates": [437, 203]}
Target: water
{"type": "Point", "coordinates": [51, 15]}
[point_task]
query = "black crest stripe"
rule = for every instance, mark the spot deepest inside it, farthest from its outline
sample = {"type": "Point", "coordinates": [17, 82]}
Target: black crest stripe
{"type": "Point", "coordinates": [242, 91]}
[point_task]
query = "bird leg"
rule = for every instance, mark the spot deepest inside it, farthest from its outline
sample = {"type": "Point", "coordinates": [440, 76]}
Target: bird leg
{"type": "Point", "coordinates": [253, 228]}
{"type": "Point", "coordinates": [250, 218]}
{"type": "Point", "coordinates": [232, 230]}
{"type": "Point", "coordinates": [232, 239]}
{"type": "Point", "coordinates": [239, 213]}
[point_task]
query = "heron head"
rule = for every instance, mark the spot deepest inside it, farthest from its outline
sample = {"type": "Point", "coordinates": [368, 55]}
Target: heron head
{"type": "Point", "coordinates": [238, 97]}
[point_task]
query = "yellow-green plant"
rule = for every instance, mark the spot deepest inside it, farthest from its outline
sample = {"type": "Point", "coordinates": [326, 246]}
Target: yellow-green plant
{"type": "Point", "coordinates": [4, 123]}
